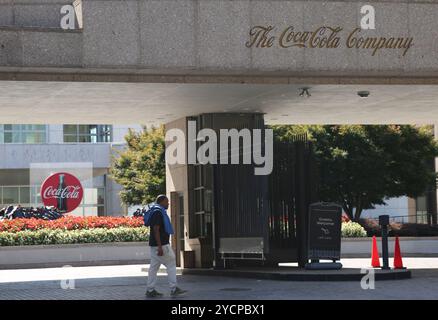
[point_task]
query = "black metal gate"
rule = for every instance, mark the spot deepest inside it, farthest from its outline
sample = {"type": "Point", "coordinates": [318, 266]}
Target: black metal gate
{"type": "Point", "coordinates": [241, 216]}
{"type": "Point", "coordinates": [292, 187]}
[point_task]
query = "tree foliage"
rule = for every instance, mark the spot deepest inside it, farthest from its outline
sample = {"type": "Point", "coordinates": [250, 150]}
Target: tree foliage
{"type": "Point", "coordinates": [140, 168]}
{"type": "Point", "coordinates": [362, 165]}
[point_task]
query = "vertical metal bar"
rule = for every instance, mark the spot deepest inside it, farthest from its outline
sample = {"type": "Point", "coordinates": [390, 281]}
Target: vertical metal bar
{"type": "Point", "coordinates": [385, 247]}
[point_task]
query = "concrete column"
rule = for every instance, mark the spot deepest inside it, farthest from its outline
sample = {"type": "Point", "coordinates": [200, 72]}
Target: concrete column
{"type": "Point", "coordinates": [55, 133]}
{"type": "Point", "coordinates": [177, 181]}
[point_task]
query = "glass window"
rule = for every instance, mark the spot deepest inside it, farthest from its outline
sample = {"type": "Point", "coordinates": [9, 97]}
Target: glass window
{"type": "Point", "coordinates": [90, 196]}
{"type": "Point", "coordinates": [84, 129]}
{"type": "Point", "coordinates": [34, 137]}
{"type": "Point", "coordinates": [12, 137]}
{"type": "Point", "coordinates": [12, 127]}
{"type": "Point", "coordinates": [10, 195]}
{"type": "Point", "coordinates": [100, 196]}
{"type": "Point", "coordinates": [23, 133]}
{"type": "Point", "coordinates": [25, 195]}
{"type": "Point", "coordinates": [35, 195]}
{"type": "Point", "coordinates": [84, 139]}
{"type": "Point", "coordinates": [68, 138]}
{"type": "Point", "coordinates": [7, 137]}
{"type": "Point", "coordinates": [70, 129]}
{"type": "Point", "coordinates": [87, 133]}
{"type": "Point", "coordinates": [25, 127]}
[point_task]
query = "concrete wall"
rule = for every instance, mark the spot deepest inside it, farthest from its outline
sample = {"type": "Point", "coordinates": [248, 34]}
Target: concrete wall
{"type": "Point", "coordinates": [32, 13]}
{"type": "Point", "coordinates": [212, 34]}
{"type": "Point", "coordinates": [409, 247]}
{"type": "Point", "coordinates": [55, 133]}
{"type": "Point", "coordinates": [74, 254]}
{"type": "Point", "coordinates": [187, 36]}
{"type": "Point", "coordinates": [40, 48]}
{"type": "Point", "coordinates": [19, 156]}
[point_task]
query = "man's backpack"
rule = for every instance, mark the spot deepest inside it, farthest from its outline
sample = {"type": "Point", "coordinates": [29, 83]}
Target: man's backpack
{"type": "Point", "coordinates": [148, 213]}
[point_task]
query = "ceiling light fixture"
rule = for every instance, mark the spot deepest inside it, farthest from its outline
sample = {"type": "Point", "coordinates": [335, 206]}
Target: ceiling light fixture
{"type": "Point", "coordinates": [363, 94]}
{"type": "Point", "coordinates": [305, 92]}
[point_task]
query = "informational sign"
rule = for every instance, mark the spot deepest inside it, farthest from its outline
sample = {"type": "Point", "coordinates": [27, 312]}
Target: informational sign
{"type": "Point", "coordinates": [63, 191]}
{"type": "Point", "coordinates": [324, 231]}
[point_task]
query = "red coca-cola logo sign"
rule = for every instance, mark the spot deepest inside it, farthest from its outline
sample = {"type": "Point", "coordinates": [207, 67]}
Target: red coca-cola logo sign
{"type": "Point", "coordinates": [63, 191]}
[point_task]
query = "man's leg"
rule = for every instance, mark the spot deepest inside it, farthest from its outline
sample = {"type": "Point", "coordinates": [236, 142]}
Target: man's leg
{"type": "Point", "coordinates": [153, 269]}
{"type": "Point", "coordinates": [168, 259]}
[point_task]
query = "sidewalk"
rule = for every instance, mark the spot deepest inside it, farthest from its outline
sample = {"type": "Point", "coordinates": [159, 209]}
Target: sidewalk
{"type": "Point", "coordinates": [129, 282]}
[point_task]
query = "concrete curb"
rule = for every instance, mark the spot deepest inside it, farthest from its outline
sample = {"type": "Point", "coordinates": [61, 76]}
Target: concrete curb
{"type": "Point", "coordinates": [303, 275]}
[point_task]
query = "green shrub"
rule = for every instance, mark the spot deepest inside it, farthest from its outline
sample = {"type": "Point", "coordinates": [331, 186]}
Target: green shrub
{"type": "Point", "coordinates": [59, 236]}
{"type": "Point", "coordinates": [353, 230]}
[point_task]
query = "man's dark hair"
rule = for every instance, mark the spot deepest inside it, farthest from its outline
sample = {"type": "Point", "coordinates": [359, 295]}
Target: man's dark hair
{"type": "Point", "coordinates": [160, 198]}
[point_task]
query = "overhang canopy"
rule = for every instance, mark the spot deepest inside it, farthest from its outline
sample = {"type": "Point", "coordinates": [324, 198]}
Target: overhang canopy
{"type": "Point", "coordinates": [35, 102]}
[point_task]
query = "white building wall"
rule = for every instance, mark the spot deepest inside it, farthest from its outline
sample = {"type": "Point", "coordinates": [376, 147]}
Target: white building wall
{"type": "Point", "coordinates": [395, 208]}
{"type": "Point", "coordinates": [113, 203]}
{"type": "Point", "coordinates": [119, 132]}
{"type": "Point", "coordinates": [20, 156]}
{"type": "Point", "coordinates": [55, 133]}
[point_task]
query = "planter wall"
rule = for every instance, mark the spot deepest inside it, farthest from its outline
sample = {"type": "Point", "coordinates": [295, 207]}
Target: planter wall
{"type": "Point", "coordinates": [410, 247]}
{"type": "Point", "coordinates": [74, 255]}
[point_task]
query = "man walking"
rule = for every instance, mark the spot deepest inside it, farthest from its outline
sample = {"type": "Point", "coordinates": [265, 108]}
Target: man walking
{"type": "Point", "coordinates": [161, 252]}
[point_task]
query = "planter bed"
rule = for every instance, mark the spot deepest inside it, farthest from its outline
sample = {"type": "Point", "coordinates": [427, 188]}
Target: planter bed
{"type": "Point", "coordinates": [59, 236]}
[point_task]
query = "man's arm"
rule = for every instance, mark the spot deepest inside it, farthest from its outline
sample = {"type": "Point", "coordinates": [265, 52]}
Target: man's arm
{"type": "Point", "coordinates": [158, 239]}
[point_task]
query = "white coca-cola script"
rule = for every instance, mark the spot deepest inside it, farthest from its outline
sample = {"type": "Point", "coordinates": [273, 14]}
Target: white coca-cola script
{"type": "Point", "coordinates": [69, 192]}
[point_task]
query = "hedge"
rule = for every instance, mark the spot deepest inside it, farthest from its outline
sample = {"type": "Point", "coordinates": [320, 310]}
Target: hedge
{"type": "Point", "coordinates": [70, 223]}
{"type": "Point", "coordinates": [58, 236]}
{"type": "Point", "coordinates": [353, 230]}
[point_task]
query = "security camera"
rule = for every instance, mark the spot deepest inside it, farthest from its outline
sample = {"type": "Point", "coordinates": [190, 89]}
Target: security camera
{"type": "Point", "coordinates": [363, 94]}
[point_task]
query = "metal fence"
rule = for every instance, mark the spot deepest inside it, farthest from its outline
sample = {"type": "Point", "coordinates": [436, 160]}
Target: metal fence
{"type": "Point", "coordinates": [422, 218]}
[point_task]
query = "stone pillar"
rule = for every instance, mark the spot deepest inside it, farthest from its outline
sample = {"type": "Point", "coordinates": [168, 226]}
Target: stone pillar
{"type": "Point", "coordinates": [177, 181]}
{"type": "Point", "coordinates": [197, 184]}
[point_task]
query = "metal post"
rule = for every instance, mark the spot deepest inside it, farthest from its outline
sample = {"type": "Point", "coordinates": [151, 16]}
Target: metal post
{"type": "Point", "coordinates": [384, 222]}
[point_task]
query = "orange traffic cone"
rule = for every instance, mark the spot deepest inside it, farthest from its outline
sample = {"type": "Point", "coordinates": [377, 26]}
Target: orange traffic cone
{"type": "Point", "coordinates": [375, 260]}
{"type": "Point", "coordinates": [398, 263]}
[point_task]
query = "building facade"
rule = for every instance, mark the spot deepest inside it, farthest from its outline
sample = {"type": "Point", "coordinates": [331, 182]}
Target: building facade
{"type": "Point", "coordinates": [160, 62]}
{"type": "Point", "coordinates": [22, 145]}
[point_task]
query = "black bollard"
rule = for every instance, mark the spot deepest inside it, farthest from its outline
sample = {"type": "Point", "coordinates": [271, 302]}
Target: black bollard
{"type": "Point", "coordinates": [384, 222]}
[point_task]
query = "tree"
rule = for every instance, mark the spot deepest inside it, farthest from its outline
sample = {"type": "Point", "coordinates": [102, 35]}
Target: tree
{"type": "Point", "coordinates": [140, 168]}
{"type": "Point", "coordinates": [362, 165]}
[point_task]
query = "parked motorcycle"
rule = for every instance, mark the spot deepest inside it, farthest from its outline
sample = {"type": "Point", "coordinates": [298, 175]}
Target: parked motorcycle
{"type": "Point", "coordinates": [17, 212]}
{"type": "Point", "coordinates": [138, 213]}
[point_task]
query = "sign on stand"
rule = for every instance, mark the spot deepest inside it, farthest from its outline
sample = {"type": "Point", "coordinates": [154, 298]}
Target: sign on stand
{"type": "Point", "coordinates": [324, 236]}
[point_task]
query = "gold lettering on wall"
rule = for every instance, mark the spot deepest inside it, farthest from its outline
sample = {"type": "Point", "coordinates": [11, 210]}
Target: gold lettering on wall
{"type": "Point", "coordinates": [324, 37]}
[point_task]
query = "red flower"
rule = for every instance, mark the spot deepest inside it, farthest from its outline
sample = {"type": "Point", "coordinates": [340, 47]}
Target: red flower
{"type": "Point", "coordinates": [70, 223]}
